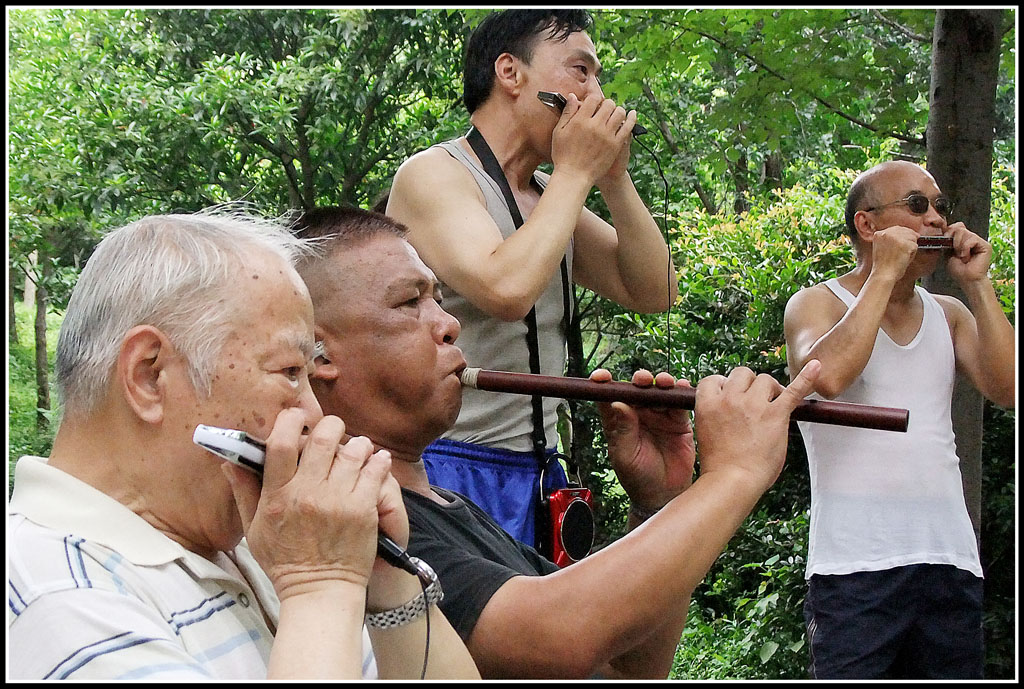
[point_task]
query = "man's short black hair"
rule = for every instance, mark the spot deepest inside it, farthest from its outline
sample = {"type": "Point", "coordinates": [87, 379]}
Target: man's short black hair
{"type": "Point", "coordinates": [332, 226]}
{"type": "Point", "coordinates": [854, 200]}
{"type": "Point", "coordinates": [514, 32]}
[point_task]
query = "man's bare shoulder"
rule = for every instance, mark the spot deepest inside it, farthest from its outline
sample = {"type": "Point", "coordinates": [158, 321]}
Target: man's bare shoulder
{"type": "Point", "coordinates": [815, 295]}
{"type": "Point", "coordinates": [430, 162]}
{"type": "Point", "coordinates": [814, 304]}
{"type": "Point", "coordinates": [433, 171]}
{"type": "Point", "coordinates": [954, 309]}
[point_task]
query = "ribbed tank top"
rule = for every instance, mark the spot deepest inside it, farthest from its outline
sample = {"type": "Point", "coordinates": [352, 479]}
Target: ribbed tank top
{"type": "Point", "coordinates": [881, 499]}
{"type": "Point", "coordinates": [500, 419]}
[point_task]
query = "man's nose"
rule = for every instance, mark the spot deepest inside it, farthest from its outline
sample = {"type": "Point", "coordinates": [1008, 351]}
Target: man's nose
{"type": "Point", "coordinates": [310, 406]}
{"type": "Point", "coordinates": [933, 217]}
{"type": "Point", "coordinates": [446, 326]}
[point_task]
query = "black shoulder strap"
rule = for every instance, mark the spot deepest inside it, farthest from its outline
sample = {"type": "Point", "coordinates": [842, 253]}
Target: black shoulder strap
{"type": "Point", "coordinates": [574, 365]}
{"type": "Point", "coordinates": [493, 169]}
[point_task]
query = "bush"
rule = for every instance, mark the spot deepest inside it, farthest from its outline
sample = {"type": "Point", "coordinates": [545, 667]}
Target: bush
{"type": "Point", "coordinates": [746, 622]}
{"type": "Point", "coordinates": [735, 278]}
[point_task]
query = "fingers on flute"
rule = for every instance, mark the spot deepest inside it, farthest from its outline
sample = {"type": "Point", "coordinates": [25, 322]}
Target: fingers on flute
{"type": "Point", "coordinates": [664, 380]}
{"type": "Point", "coordinates": [642, 378]}
{"type": "Point", "coordinates": [601, 375]}
{"type": "Point", "coordinates": [739, 380]}
{"type": "Point", "coordinates": [802, 385]}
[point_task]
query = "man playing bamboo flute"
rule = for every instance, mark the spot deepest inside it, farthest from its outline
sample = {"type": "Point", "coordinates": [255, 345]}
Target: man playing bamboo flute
{"type": "Point", "coordinates": [895, 581]}
{"type": "Point", "coordinates": [390, 368]}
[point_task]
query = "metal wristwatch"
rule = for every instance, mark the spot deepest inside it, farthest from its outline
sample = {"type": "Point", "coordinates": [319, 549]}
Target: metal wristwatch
{"type": "Point", "coordinates": [641, 513]}
{"type": "Point", "coordinates": [413, 609]}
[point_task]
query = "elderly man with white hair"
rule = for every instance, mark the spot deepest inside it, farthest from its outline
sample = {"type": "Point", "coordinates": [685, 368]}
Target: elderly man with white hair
{"type": "Point", "coordinates": [126, 555]}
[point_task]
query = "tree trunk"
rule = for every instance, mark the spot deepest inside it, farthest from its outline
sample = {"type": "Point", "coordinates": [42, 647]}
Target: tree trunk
{"type": "Point", "coordinates": [42, 364]}
{"type": "Point", "coordinates": [961, 121]}
{"type": "Point", "coordinates": [773, 170]}
{"type": "Point", "coordinates": [739, 175]}
{"type": "Point", "coordinates": [28, 296]}
{"type": "Point", "coordinates": [12, 324]}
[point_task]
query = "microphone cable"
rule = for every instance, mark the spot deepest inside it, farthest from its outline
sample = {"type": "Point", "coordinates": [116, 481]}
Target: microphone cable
{"type": "Point", "coordinates": [668, 247]}
{"type": "Point", "coordinates": [426, 645]}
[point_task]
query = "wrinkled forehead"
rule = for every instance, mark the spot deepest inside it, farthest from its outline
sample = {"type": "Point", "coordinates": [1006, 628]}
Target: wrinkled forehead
{"type": "Point", "coordinates": [270, 303]}
{"type": "Point", "coordinates": [377, 266]}
{"type": "Point", "coordinates": [416, 263]}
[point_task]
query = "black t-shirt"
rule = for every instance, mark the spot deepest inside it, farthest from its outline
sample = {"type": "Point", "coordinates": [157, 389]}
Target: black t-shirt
{"type": "Point", "coordinates": [471, 554]}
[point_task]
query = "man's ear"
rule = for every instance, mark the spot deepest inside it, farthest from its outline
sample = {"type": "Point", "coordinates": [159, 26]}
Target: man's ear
{"type": "Point", "coordinates": [865, 225]}
{"type": "Point", "coordinates": [323, 368]}
{"type": "Point", "coordinates": [507, 74]}
{"type": "Point", "coordinates": [327, 373]}
{"type": "Point", "coordinates": [142, 371]}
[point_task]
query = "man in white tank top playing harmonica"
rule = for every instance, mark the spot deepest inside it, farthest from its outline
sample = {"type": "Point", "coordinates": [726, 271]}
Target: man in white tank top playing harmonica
{"type": "Point", "coordinates": [895, 580]}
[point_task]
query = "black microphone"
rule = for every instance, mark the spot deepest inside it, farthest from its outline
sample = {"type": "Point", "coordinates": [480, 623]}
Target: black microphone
{"type": "Point", "coordinates": [557, 101]}
{"type": "Point", "coordinates": [396, 556]}
{"type": "Point", "coordinates": [241, 449]}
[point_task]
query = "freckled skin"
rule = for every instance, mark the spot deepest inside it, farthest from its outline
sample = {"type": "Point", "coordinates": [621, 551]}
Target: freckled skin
{"type": "Point", "coordinates": [268, 332]}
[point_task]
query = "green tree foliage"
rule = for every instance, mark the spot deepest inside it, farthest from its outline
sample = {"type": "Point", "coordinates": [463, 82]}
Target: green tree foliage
{"type": "Point", "coordinates": [287, 108]}
{"type": "Point", "coordinates": [741, 97]}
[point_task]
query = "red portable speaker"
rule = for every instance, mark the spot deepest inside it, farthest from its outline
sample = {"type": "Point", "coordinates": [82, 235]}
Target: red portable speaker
{"type": "Point", "coordinates": [572, 524]}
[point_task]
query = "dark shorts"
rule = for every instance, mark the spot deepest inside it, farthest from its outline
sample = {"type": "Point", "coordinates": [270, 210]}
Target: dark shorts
{"type": "Point", "coordinates": [914, 622]}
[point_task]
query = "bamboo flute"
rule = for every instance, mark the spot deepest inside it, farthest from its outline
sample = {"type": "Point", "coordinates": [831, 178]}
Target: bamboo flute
{"type": "Point", "coordinates": [818, 411]}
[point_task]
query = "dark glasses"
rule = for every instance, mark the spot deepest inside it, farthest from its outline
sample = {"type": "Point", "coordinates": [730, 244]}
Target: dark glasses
{"type": "Point", "coordinates": [918, 205]}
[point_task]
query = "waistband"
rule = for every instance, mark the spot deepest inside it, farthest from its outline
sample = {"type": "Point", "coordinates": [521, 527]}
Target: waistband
{"type": "Point", "coordinates": [482, 453]}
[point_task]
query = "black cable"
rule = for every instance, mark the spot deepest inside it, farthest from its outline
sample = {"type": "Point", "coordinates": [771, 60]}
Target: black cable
{"type": "Point", "coordinates": [426, 645]}
{"type": "Point", "coordinates": [668, 246]}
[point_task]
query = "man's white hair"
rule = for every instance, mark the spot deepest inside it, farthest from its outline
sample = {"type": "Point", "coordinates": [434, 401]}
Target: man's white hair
{"type": "Point", "coordinates": [179, 273]}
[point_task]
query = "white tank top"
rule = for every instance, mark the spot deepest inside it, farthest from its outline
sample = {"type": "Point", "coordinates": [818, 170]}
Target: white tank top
{"type": "Point", "coordinates": [882, 499]}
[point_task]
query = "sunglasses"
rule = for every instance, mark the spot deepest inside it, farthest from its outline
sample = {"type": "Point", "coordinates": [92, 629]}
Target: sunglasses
{"type": "Point", "coordinates": [918, 205]}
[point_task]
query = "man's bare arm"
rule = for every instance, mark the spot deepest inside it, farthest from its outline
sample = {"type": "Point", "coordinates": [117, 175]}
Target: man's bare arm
{"type": "Point", "coordinates": [627, 601]}
{"type": "Point", "coordinates": [629, 262]}
{"type": "Point", "coordinates": [440, 203]}
{"type": "Point", "coordinates": [983, 337]}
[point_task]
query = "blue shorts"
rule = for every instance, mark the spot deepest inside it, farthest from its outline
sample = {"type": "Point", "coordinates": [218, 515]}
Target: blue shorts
{"type": "Point", "coordinates": [505, 484]}
{"type": "Point", "coordinates": [914, 622]}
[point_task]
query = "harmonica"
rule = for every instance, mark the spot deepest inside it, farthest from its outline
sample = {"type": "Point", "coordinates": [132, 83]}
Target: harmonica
{"type": "Point", "coordinates": [556, 101]}
{"type": "Point", "coordinates": [817, 411]}
{"type": "Point", "coordinates": [935, 242]}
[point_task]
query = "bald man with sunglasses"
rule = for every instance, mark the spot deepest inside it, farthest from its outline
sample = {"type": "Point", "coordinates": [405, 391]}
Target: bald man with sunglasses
{"type": "Point", "coordinates": [894, 576]}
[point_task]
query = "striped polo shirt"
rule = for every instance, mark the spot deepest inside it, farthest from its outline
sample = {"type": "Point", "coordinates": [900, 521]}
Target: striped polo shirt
{"type": "Point", "coordinates": [95, 592]}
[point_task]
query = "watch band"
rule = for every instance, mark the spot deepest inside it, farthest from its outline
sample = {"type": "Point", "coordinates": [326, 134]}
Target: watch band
{"type": "Point", "coordinates": [641, 513]}
{"type": "Point", "coordinates": [413, 609]}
